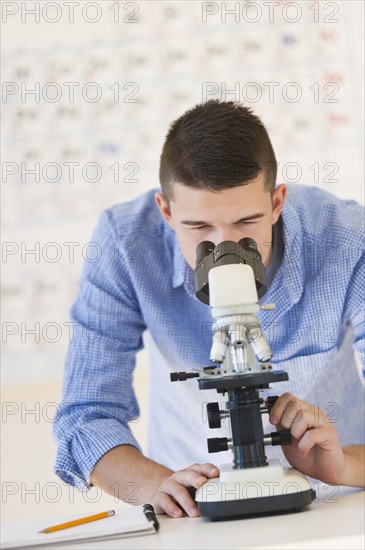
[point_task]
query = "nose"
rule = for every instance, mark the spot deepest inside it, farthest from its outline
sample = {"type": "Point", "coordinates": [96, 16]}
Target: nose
{"type": "Point", "coordinates": [227, 235]}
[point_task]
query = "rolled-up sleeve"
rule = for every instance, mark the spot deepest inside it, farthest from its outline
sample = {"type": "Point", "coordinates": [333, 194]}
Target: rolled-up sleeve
{"type": "Point", "coordinates": [98, 399]}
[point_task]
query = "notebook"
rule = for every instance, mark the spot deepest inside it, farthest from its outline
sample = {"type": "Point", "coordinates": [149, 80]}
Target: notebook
{"type": "Point", "coordinates": [127, 522]}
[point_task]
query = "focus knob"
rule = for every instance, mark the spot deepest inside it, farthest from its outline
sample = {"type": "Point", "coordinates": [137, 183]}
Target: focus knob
{"type": "Point", "coordinates": [271, 401]}
{"type": "Point", "coordinates": [281, 438]}
{"type": "Point", "coordinates": [278, 438]}
{"type": "Point", "coordinates": [217, 444]}
{"type": "Point", "coordinates": [214, 415]}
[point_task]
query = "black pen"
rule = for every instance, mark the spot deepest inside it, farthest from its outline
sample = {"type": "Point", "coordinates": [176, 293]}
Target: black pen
{"type": "Point", "coordinates": [150, 515]}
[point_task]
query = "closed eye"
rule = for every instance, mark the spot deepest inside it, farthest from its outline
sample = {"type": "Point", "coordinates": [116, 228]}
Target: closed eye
{"type": "Point", "coordinates": [237, 223]}
{"type": "Point", "coordinates": [205, 226]}
{"type": "Point", "coordinates": [196, 225]}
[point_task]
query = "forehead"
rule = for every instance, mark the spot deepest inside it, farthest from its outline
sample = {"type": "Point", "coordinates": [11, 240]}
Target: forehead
{"type": "Point", "coordinates": [243, 198]}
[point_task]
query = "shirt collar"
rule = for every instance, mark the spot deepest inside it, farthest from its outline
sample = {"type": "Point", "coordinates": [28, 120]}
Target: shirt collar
{"type": "Point", "coordinates": [289, 277]}
{"type": "Point", "coordinates": [277, 251]}
{"type": "Point", "coordinates": [183, 273]}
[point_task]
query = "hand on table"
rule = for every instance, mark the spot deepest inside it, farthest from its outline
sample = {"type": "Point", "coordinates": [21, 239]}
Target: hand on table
{"type": "Point", "coordinates": [173, 495]}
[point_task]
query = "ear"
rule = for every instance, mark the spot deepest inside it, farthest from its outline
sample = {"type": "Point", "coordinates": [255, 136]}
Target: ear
{"type": "Point", "coordinates": [164, 208]}
{"type": "Point", "coordinates": [278, 200]}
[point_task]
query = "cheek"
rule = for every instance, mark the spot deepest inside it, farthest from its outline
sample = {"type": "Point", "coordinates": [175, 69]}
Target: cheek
{"type": "Point", "coordinates": [188, 241]}
{"type": "Point", "coordinates": [263, 239]}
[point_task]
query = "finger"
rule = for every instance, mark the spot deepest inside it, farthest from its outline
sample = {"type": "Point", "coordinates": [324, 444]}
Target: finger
{"type": "Point", "coordinates": [279, 406]}
{"type": "Point", "coordinates": [164, 504]}
{"type": "Point", "coordinates": [189, 478]}
{"type": "Point", "coordinates": [306, 421]}
{"type": "Point", "coordinates": [196, 474]}
{"type": "Point", "coordinates": [181, 496]}
{"type": "Point", "coordinates": [292, 415]}
{"type": "Point", "coordinates": [326, 438]}
{"type": "Point", "coordinates": [285, 409]}
{"type": "Point", "coordinates": [207, 469]}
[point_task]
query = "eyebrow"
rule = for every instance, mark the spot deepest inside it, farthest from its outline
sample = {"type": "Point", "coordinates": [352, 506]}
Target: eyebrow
{"type": "Point", "coordinates": [245, 219]}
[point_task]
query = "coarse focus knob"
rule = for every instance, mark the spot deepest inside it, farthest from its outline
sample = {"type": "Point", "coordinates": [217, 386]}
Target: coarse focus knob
{"type": "Point", "coordinates": [214, 415]}
{"type": "Point", "coordinates": [281, 438]}
{"type": "Point", "coordinates": [271, 401]}
{"type": "Point", "coordinates": [217, 444]}
{"type": "Point", "coordinates": [278, 438]}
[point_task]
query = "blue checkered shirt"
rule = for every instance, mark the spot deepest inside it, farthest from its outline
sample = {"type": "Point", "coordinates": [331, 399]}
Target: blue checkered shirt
{"type": "Point", "coordinates": [139, 291]}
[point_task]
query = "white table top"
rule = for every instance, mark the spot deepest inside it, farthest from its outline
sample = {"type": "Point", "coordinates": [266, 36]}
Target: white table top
{"type": "Point", "coordinates": [335, 520]}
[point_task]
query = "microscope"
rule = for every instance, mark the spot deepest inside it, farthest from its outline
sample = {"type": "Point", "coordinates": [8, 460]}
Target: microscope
{"type": "Point", "coordinates": [230, 278]}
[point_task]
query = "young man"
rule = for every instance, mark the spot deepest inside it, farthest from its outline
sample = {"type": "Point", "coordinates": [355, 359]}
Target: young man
{"type": "Point", "coordinates": [218, 175]}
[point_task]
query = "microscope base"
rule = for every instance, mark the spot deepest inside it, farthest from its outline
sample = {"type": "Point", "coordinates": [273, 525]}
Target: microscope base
{"type": "Point", "coordinates": [263, 490]}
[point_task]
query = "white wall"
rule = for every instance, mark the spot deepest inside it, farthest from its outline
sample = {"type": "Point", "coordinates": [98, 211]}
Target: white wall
{"type": "Point", "coordinates": [164, 54]}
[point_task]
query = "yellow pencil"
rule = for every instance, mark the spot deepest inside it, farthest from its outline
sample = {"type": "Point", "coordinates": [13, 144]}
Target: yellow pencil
{"type": "Point", "coordinates": [80, 521]}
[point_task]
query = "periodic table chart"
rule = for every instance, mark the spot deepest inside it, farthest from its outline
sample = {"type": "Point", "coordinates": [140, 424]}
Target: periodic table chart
{"type": "Point", "coordinates": [89, 90]}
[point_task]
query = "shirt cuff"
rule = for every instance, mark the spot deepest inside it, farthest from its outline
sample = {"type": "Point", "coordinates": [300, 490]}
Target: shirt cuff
{"type": "Point", "coordinates": [77, 457]}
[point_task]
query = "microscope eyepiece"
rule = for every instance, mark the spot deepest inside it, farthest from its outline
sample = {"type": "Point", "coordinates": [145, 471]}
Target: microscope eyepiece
{"type": "Point", "coordinates": [209, 255]}
{"type": "Point", "coordinates": [203, 250]}
{"type": "Point", "coordinates": [250, 245]}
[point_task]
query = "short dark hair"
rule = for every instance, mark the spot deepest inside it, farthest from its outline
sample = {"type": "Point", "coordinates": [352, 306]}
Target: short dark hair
{"type": "Point", "coordinates": [216, 145]}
